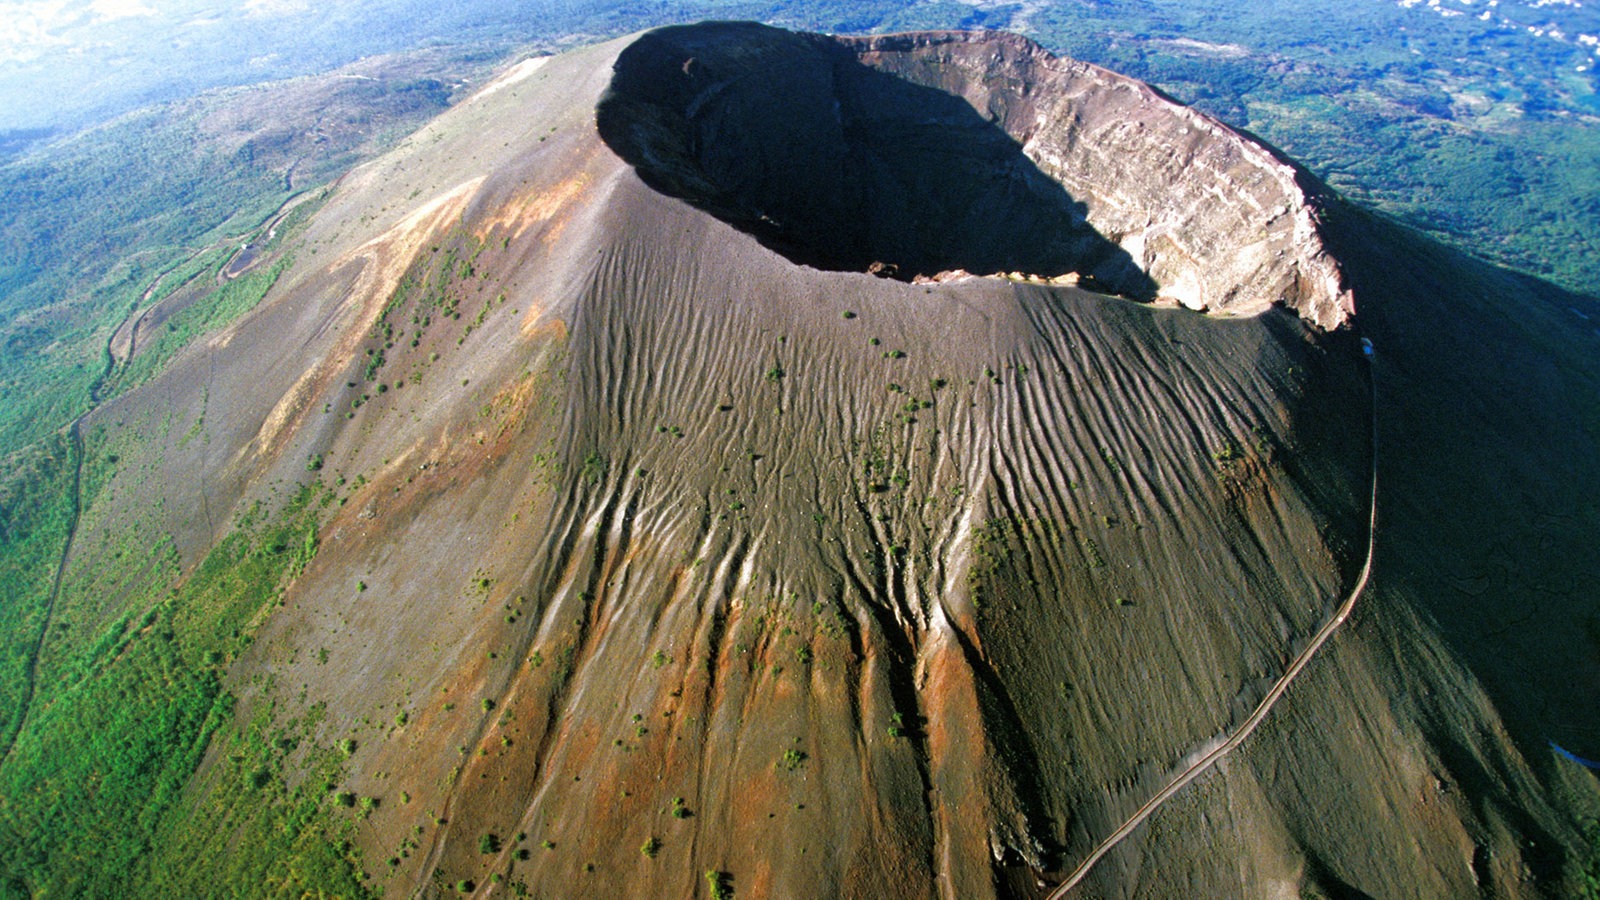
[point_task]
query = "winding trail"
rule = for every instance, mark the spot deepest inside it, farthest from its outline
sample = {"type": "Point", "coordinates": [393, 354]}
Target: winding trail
{"type": "Point", "coordinates": [75, 438]}
{"type": "Point", "coordinates": [1265, 706]}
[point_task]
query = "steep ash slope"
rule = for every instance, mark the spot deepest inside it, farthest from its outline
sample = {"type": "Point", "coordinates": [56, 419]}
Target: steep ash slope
{"type": "Point", "coordinates": [659, 554]}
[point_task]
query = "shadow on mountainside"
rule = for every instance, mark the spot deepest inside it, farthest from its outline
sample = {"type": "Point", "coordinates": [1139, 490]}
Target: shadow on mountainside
{"type": "Point", "coordinates": [839, 166]}
{"type": "Point", "coordinates": [1489, 410]}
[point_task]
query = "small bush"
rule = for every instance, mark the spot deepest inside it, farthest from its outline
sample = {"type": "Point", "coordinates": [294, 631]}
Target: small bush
{"type": "Point", "coordinates": [720, 884]}
{"type": "Point", "coordinates": [594, 469]}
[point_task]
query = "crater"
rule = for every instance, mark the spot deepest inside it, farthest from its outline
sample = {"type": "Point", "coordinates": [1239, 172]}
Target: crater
{"type": "Point", "coordinates": [913, 155]}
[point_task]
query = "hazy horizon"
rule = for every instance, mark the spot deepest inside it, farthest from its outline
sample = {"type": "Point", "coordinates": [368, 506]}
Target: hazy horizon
{"type": "Point", "coordinates": [65, 64]}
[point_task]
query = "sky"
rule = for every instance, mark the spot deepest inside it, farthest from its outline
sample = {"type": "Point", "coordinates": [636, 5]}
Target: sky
{"type": "Point", "coordinates": [67, 63]}
{"type": "Point", "coordinates": [31, 30]}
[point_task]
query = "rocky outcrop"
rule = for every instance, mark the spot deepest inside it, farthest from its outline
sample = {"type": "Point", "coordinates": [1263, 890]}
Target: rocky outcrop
{"type": "Point", "coordinates": [1217, 219]}
{"type": "Point", "coordinates": [980, 151]}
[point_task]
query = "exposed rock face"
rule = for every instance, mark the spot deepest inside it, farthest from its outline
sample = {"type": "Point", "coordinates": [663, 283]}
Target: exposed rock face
{"type": "Point", "coordinates": [979, 151]}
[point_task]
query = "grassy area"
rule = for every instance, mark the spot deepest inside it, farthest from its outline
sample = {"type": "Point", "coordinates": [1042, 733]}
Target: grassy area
{"type": "Point", "coordinates": [294, 841]}
{"type": "Point", "coordinates": [94, 781]}
{"type": "Point", "coordinates": [35, 512]}
{"type": "Point", "coordinates": [230, 301]}
{"type": "Point", "coordinates": [1484, 138]}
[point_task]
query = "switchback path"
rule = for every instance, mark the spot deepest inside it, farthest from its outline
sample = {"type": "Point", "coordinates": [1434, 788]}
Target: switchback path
{"type": "Point", "coordinates": [75, 436]}
{"type": "Point", "coordinates": [1265, 706]}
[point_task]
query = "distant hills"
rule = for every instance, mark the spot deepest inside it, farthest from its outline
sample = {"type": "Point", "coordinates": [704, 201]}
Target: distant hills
{"type": "Point", "coordinates": [1480, 131]}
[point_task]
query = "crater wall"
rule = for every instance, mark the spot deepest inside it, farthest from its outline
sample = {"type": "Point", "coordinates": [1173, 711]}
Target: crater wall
{"type": "Point", "coordinates": [913, 154]}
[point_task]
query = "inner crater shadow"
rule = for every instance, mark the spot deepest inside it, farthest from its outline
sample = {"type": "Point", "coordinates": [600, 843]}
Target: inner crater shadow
{"type": "Point", "coordinates": [839, 166]}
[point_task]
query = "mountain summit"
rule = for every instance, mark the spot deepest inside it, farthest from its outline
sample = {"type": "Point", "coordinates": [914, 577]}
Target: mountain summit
{"type": "Point", "coordinates": [976, 151]}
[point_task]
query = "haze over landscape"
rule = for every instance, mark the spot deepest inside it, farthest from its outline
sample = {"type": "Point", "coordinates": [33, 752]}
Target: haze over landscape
{"type": "Point", "coordinates": [878, 449]}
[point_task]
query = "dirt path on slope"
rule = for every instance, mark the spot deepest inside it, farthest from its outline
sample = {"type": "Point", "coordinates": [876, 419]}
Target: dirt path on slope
{"type": "Point", "coordinates": [75, 436]}
{"type": "Point", "coordinates": [1265, 706]}
{"type": "Point", "coordinates": [111, 360]}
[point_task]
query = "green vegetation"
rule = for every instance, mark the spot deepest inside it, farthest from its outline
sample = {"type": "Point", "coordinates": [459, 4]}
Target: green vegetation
{"type": "Point", "coordinates": [228, 302]}
{"type": "Point", "coordinates": [36, 512]}
{"type": "Point", "coordinates": [1590, 885]}
{"type": "Point", "coordinates": [1480, 135]}
{"type": "Point", "coordinates": [720, 884]}
{"type": "Point", "coordinates": [92, 224]}
{"type": "Point", "coordinates": [594, 469]}
{"type": "Point", "coordinates": [897, 725]}
{"type": "Point", "coordinates": [650, 847]}
{"type": "Point", "coordinates": [171, 192]}
{"type": "Point", "coordinates": [287, 836]}
{"type": "Point", "coordinates": [111, 742]}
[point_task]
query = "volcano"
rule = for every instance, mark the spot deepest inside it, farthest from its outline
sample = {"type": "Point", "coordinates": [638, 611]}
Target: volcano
{"type": "Point", "coordinates": [764, 464]}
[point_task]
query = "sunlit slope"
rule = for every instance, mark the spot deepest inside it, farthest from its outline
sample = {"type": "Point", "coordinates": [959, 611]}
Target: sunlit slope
{"type": "Point", "coordinates": [656, 554]}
